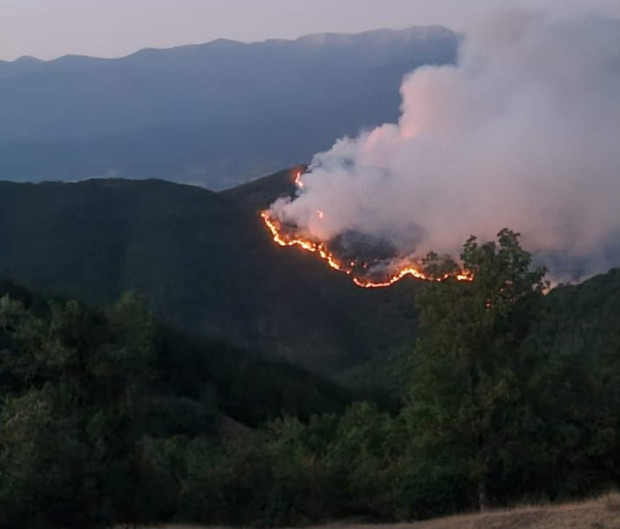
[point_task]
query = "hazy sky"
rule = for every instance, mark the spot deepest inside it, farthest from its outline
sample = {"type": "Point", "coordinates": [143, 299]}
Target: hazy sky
{"type": "Point", "coordinates": [108, 28]}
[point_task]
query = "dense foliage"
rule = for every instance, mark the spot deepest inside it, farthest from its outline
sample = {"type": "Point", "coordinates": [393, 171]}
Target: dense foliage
{"type": "Point", "coordinates": [86, 394]}
{"type": "Point", "coordinates": [512, 395]}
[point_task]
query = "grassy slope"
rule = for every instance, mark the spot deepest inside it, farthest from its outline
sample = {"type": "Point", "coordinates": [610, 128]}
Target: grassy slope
{"type": "Point", "coordinates": [603, 513]}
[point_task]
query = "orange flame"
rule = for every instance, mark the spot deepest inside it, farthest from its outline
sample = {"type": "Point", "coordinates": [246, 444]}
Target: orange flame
{"type": "Point", "coordinates": [320, 248]}
{"type": "Point", "coordinates": [298, 181]}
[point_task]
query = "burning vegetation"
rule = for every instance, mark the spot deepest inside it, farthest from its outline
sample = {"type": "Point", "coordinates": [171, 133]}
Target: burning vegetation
{"type": "Point", "coordinates": [371, 262]}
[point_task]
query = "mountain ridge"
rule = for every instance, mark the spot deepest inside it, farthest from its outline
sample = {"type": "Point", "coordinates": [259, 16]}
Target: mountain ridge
{"type": "Point", "coordinates": [205, 262]}
{"type": "Point", "coordinates": [218, 114]}
{"type": "Point", "coordinates": [308, 37]}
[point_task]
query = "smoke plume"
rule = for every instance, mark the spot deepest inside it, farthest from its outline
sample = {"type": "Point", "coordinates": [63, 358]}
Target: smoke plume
{"type": "Point", "coordinates": [524, 133]}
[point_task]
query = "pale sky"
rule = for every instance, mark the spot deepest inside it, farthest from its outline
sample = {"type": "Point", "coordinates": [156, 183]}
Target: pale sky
{"type": "Point", "coordinates": [110, 28]}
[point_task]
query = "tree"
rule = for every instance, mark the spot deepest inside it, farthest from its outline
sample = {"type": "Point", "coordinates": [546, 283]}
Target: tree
{"type": "Point", "coordinates": [465, 389]}
{"type": "Point", "coordinates": [74, 386]}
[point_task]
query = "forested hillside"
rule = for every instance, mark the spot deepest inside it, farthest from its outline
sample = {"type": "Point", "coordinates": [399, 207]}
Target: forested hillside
{"type": "Point", "coordinates": [109, 417]}
{"type": "Point", "coordinates": [190, 376]}
{"type": "Point", "coordinates": [204, 262]}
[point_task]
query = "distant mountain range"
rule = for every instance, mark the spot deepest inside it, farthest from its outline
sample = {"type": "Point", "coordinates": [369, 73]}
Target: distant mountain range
{"type": "Point", "coordinates": [216, 114]}
{"type": "Point", "coordinates": [204, 261]}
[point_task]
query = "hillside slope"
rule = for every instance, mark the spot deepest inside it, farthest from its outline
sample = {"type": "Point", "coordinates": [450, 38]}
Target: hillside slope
{"type": "Point", "coordinates": [602, 513]}
{"type": "Point", "coordinates": [581, 323]}
{"type": "Point", "coordinates": [215, 114]}
{"type": "Point", "coordinates": [204, 261]}
{"type": "Point", "coordinates": [195, 372]}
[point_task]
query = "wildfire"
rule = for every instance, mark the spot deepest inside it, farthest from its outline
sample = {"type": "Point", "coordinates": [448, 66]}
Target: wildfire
{"type": "Point", "coordinates": [298, 182]}
{"type": "Point", "coordinates": [285, 238]}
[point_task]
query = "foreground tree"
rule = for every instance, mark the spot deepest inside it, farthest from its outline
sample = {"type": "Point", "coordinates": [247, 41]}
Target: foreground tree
{"type": "Point", "coordinates": [73, 389]}
{"type": "Point", "coordinates": [465, 391]}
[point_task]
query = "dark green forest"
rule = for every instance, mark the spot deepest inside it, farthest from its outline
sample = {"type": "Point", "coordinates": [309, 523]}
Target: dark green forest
{"type": "Point", "coordinates": [507, 393]}
{"type": "Point", "coordinates": [205, 264]}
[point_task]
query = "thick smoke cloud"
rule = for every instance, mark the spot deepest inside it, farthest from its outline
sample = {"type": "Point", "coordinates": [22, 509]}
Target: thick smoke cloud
{"type": "Point", "coordinates": [523, 133]}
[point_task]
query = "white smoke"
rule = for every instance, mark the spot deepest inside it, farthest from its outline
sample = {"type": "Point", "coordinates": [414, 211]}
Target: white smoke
{"type": "Point", "coordinates": [523, 133]}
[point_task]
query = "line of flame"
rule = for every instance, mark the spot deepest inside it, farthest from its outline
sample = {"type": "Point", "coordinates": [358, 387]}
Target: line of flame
{"type": "Point", "coordinates": [321, 249]}
{"type": "Point", "coordinates": [298, 181]}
